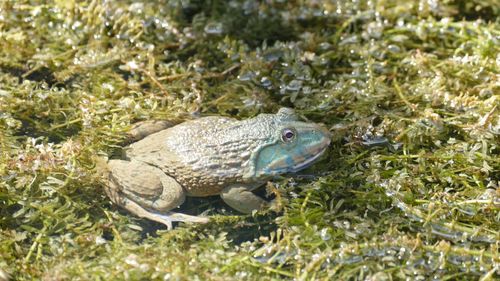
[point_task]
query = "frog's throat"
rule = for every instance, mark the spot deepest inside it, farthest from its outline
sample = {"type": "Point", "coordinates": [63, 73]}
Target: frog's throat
{"type": "Point", "coordinates": [251, 172]}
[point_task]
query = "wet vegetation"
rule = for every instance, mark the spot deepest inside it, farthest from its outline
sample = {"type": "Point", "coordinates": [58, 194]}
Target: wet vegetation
{"type": "Point", "coordinates": [410, 89]}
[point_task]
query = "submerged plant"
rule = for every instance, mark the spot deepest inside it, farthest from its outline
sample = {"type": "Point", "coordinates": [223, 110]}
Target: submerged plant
{"type": "Point", "coordinates": [409, 89]}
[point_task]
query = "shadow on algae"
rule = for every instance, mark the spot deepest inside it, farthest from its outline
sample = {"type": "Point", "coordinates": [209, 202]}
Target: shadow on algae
{"type": "Point", "coordinates": [408, 190]}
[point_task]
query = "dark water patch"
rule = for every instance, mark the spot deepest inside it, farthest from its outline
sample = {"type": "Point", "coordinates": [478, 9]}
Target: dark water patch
{"type": "Point", "coordinates": [33, 129]}
{"type": "Point", "coordinates": [475, 10]}
{"type": "Point", "coordinates": [251, 229]}
{"type": "Point", "coordinates": [14, 71]}
{"type": "Point", "coordinates": [42, 74]}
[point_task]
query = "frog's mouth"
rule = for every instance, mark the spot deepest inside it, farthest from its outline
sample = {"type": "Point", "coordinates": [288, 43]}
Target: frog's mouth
{"type": "Point", "coordinates": [307, 162]}
{"type": "Point", "coordinates": [291, 164]}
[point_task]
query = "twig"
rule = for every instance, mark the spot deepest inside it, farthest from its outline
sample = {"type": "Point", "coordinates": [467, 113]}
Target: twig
{"type": "Point", "coordinates": [412, 106]}
{"type": "Point", "coordinates": [155, 81]}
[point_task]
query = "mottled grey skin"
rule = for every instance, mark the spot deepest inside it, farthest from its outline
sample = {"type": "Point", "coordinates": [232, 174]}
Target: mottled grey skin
{"type": "Point", "coordinates": [210, 156]}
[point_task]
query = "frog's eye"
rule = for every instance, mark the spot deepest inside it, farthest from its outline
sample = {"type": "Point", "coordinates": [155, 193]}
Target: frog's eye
{"type": "Point", "coordinates": [288, 135]}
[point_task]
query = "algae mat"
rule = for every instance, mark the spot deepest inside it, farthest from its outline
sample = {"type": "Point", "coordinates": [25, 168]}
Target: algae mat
{"type": "Point", "coordinates": [409, 189]}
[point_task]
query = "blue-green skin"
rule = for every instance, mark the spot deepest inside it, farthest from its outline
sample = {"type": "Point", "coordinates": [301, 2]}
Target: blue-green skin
{"type": "Point", "coordinates": [210, 155]}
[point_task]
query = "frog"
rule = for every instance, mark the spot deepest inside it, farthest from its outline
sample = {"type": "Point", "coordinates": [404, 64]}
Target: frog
{"type": "Point", "coordinates": [213, 155]}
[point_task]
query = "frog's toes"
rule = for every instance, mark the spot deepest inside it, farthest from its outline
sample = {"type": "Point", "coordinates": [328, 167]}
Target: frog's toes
{"type": "Point", "coordinates": [169, 217]}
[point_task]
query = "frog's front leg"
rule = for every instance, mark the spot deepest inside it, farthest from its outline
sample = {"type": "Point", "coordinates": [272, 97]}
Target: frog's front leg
{"type": "Point", "coordinates": [241, 198]}
{"type": "Point", "coordinates": [147, 192]}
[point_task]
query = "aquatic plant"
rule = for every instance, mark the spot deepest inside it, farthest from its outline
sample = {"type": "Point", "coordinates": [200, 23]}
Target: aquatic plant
{"type": "Point", "coordinates": [410, 90]}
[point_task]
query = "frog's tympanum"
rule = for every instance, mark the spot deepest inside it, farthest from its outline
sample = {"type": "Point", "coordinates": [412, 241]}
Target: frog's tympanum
{"type": "Point", "coordinates": [209, 156]}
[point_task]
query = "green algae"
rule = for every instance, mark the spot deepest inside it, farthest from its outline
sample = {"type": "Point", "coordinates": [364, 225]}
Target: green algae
{"type": "Point", "coordinates": [410, 90]}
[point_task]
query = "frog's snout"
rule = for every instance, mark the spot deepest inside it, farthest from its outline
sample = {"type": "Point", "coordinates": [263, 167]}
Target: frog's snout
{"type": "Point", "coordinates": [320, 140]}
{"type": "Point", "coordinates": [326, 136]}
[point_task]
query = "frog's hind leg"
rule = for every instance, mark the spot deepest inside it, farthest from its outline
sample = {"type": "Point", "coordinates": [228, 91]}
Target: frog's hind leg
{"type": "Point", "coordinates": [147, 192]}
{"type": "Point", "coordinates": [164, 218]}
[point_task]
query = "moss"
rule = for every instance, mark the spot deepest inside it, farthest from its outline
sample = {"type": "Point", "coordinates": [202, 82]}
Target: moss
{"type": "Point", "coordinates": [409, 89]}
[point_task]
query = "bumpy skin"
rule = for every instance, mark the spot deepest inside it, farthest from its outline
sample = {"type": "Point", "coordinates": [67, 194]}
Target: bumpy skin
{"type": "Point", "coordinates": [210, 156]}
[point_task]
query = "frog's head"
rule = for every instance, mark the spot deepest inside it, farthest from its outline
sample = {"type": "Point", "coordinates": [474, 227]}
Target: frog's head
{"type": "Point", "coordinates": [289, 145]}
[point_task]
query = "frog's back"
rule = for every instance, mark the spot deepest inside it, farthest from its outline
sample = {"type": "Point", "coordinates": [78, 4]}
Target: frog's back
{"type": "Point", "coordinates": [203, 155]}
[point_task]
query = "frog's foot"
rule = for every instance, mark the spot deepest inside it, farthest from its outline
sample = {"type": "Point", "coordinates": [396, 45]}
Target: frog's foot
{"type": "Point", "coordinates": [164, 218]}
{"type": "Point", "coordinates": [172, 216]}
{"type": "Point", "coordinates": [241, 198]}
